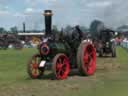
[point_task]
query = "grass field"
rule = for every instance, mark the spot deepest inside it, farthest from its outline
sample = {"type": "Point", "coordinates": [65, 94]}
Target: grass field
{"type": "Point", "coordinates": [110, 79]}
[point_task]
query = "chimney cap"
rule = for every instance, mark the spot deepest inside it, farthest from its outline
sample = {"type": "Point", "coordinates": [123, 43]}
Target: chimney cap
{"type": "Point", "coordinates": [47, 13]}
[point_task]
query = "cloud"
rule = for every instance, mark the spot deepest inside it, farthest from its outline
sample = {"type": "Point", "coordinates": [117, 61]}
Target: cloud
{"type": "Point", "coordinates": [35, 3]}
{"type": "Point", "coordinates": [29, 10]}
{"type": "Point", "coordinates": [50, 1]}
{"type": "Point", "coordinates": [8, 13]}
{"type": "Point", "coordinates": [4, 2]}
{"type": "Point", "coordinates": [32, 10]}
{"type": "Point", "coordinates": [99, 4]}
{"type": "Point", "coordinates": [4, 12]}
{"type": "Point", "coordinates": [66, 12]}
{"type": "Point", "coordinates": [115, 14]}
{"type": "Point", "coordinates": [8, 19]}
{"type": "Point", "coordinates": [4, 9]}
{"type": "Point", "coordinates": [19, 15]}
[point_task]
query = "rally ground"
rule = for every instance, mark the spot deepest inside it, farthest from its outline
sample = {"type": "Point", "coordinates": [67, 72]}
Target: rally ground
{"type": "Point", "coordinates": [110, 79]}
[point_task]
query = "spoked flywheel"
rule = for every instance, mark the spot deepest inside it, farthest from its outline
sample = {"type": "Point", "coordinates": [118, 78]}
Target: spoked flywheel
{"type": "Point", "coordinates": [33, 67]}
{"type": "Point", "coordinates": [61, 67]}
{"type": "Point", "coordinates": [86, 58]}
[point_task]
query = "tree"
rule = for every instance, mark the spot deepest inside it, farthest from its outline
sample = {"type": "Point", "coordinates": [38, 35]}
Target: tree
{"type": "Point", "coordinates": [84, 29]}
{"type": "Point", "coordinates": [68, 28]}
{"type": "Point", "coordinates": [122, 28]}
{"type": "Point", "coordinates": [14, 29]}
{"type": "Point", "coordinates": [2, 30]}
{"type": "Point", "coordinates": [54, 28]}
{"type": "Point", "coordinates": [95, 27]}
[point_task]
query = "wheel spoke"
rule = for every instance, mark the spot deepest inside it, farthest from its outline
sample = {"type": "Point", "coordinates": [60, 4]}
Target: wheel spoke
{"type": "Point", "coordinates": [63, 67]}
{"type": "Point", "coordinates": [58, 70]}
{"type": "Point", "coordinates": [59, 73]}
{"type": "Point", "coordinates": [91, 53]}
{"type": "Point", "coordinates": [89, 65]}
{"type": "Point", "coordinates": [35, 72]}
{"type": "Point", "coordinates": [64, 61]}
{"type": "Point", "coordinates": [85, 57]}
{"type": "Point", "coordinates": [35, 67]}
{"type": "Point", "coordinates": [60, 60]}
{"type": "Point", "coordinates": [87, 68]}
{"type": "Point", "coordinates": [57, 65]}
{"type": "Point", "coordinates": [35, 61]}
{"type": "Point", "coordinates": [88, 55]}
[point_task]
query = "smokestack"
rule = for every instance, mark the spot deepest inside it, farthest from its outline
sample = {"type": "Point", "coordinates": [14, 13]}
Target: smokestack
{"type": "Point", "coordinates": [24, 27]}
{"type": "Point", "coordinates": [48, 22]}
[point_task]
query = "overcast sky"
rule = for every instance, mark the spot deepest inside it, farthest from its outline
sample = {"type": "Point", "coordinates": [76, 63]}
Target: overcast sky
{"type": "Point", "coordinates": [66, 12]}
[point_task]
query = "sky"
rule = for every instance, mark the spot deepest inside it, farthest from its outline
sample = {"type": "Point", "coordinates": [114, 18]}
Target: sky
{"type": "Point", "coordinates": [65, 12]}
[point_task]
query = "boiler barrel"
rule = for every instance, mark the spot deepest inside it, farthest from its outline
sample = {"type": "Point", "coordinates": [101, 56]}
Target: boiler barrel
{"type": "Point", "coordinates": [58, 47]}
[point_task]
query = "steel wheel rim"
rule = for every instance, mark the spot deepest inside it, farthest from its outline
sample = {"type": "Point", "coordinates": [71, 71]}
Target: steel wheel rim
{"type": "Point", "coordinates": [89, 59]}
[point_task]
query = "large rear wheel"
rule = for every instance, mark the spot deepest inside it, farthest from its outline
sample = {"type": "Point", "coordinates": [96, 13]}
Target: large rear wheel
{"type": "Point", "coordinates": [33, 67]}
{"type": "Point", "coordinates": [86, 58]}
{"type": "Point", "coordinates": [61, 67]}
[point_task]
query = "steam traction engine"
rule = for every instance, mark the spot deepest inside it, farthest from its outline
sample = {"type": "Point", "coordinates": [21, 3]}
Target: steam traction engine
{"type": "Point", "coordinates": [63, 54]}
{"type": "Point", "coordinates": [105, 43]}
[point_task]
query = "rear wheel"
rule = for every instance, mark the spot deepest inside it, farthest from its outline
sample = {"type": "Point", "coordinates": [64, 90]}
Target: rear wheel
{"type": "Point", "coordinates": [33, 67]}
{"type": "Point", "coordinates": [61, 67]}
{"type": "Point", "coordinates": [86, 58]}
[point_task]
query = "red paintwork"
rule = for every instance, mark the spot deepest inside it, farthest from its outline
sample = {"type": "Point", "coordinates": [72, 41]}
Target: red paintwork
{"type": "Point", "coordinates": [34, 68]}
{"type": "Point", "coordinates": [89, 60]}
{"type": "Point", "coordinates": [62, 67]}
{"type": "Point", "coordinates": [44, 45]}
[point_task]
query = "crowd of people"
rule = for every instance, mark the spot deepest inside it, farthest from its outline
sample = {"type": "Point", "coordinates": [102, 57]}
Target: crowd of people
{"type": "Point", "coordinates": [124, 42]}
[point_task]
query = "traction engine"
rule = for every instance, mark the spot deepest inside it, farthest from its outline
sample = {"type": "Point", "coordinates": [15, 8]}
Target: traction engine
{"type": "Point", "coordinates": [67, 52]}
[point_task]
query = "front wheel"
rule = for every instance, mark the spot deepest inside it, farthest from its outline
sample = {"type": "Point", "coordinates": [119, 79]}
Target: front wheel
{"type": "Point", "coordinates": [61, 67]}
{"type": "Point", "coordinates": [33, 67]}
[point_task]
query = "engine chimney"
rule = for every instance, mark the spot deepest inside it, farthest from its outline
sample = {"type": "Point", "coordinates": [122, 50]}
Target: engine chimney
{"type": "Point", "coordinates": [48, 22]}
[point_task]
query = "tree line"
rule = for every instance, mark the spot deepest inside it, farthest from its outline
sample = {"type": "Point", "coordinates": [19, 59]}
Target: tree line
{"type": "Point", "coordinates": [95, 26]}
{"type": "Point", "coordinates": [12, 30]}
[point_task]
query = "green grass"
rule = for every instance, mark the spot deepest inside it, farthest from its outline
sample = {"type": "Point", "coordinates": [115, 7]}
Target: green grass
{"type": "Point", "coordinates": [110, 78]}
{"type": "Point", "coordinates": [122, 56]}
